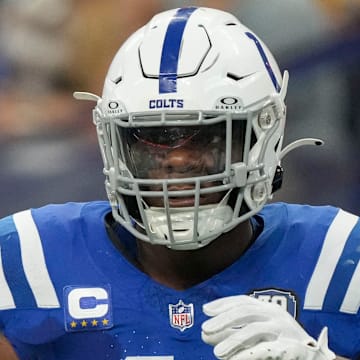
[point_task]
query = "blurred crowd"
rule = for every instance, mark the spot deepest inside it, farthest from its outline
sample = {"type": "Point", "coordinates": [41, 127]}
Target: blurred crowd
{"type": "Point", "coordinates": [49, 48]}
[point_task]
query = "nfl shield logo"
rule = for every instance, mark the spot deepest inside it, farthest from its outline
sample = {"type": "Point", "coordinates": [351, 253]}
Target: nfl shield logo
{"type": "Point", "coordinates": [181, 315]}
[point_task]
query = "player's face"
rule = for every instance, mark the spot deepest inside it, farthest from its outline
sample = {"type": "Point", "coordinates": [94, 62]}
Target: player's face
{"type": "Point", "coordinates": [179, 153]}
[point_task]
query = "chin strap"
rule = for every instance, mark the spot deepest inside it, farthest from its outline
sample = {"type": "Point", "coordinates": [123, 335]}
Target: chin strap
{"type": "Point", "coordinates": [182, 229]}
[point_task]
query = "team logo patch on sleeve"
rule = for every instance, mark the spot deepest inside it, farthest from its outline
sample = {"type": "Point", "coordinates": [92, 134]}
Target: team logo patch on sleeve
{"type": "Point", "coordinates": [284, 298]}
{"type": "Point", "coordinates": [87, 308]}
{"type": "Point", "coordinates": [181, 315]}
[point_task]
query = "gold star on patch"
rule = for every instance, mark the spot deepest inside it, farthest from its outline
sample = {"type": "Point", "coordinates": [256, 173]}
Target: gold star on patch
{"type": "Point", "coordinates": [73, 324]}
{"type": "Point", "coordinates": [94, 322]}
{"type": "Point", "coordinates": [105, 322]}
{"type": "Point", "coordinates": [84, 323]}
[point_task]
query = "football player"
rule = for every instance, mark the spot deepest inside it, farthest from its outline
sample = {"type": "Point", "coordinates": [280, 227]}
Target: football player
{"type": "Point", "coordinates": [185, 261]}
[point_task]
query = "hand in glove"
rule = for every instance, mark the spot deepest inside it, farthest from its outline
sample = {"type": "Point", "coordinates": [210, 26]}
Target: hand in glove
{"type": "Point", "coordinates": [244, 328]}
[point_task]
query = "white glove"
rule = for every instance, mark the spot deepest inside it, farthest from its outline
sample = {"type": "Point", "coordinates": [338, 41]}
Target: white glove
{"type": "Point", "coordinates": [244, 328]}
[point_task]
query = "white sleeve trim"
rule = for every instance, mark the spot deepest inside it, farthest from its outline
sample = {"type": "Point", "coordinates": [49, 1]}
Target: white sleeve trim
{"type": "Point", "coordinates": [333, 246]}
{"type": "Point", "coordinates": [33, 260]}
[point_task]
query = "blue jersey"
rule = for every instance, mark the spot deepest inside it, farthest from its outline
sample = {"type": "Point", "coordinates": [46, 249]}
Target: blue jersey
{"type": "Point", "coordinates": [66, 292]}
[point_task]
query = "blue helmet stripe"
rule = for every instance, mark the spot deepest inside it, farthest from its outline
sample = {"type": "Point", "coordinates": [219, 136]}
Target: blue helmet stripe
{"type": "Point", "coordinates": [265, 60]}
{"type": "Point", "coordinates": [171, 50]}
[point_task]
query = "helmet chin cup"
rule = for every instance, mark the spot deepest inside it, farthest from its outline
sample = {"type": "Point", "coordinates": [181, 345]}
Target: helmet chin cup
{"type": "Point", "coordinates": [185, 229]}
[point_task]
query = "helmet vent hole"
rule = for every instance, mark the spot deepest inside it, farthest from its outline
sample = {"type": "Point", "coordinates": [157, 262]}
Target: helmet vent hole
{"type": "Point", "coordinates": [277, 146]}
{"type": "Point", "coordinates": [253, 139]}
{"type": "Point", "coordinates": [231, 24]}
{"type": "Point", "coordinates": [118, 80]}
{"type": "Point", "coordinates": [234, 76]}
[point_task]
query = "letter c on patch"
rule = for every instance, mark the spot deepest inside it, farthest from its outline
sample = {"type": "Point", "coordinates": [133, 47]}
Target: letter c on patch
{"type": "Point", "coordinates": [86, 303]}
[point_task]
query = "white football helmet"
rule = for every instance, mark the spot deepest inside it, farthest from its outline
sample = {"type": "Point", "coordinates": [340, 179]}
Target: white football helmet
{"type": "Point", "coordinates": [193, 84]}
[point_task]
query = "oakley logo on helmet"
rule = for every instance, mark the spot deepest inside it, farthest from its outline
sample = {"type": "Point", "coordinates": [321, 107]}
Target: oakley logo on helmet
{"type": "Point", "coordinates": [166, 104]}
{"type": "Point", "coordinates": [228, 103]}
{"type": "Point", "coordinates": [114, 107]}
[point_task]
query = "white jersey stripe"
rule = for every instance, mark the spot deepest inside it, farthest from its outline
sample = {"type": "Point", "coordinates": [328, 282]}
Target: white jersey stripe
{"type": "Point", "coordinates": [334, 243]}
{"type": "Point", "coordinates": [351, 302]}
{"type": "Point", "coordinates": [6, 298]}
{"type": "Point", "coordinates": [33, 260]}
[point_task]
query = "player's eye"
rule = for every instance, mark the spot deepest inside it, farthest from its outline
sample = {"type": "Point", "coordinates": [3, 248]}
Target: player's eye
{"type": "Point", "coordinates": [165, 137]}
{"type": "Point", "coordinates": [173, 137]}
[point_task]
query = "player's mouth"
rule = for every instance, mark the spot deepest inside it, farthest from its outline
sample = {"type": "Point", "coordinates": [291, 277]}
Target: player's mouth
{"type": "Point", "coordinates": [181, 202]}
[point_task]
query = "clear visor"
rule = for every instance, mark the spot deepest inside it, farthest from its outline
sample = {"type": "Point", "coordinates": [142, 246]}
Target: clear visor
{"type": "Point", "coordinates": [170, 152]}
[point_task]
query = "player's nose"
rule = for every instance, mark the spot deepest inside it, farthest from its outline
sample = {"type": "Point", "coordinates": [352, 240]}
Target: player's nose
{"type": "Point", "coordinates": [182, 160]}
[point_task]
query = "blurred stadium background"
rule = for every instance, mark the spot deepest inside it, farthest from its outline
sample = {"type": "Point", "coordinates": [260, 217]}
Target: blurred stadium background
{"type": "Point", "coordinates": [49, 48]}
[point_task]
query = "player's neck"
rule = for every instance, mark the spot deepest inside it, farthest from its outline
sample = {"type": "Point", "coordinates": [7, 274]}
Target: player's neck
{"type": "Point", "coordinates": [180, 269]}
